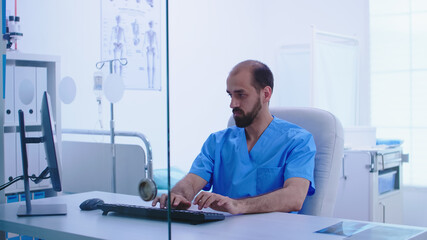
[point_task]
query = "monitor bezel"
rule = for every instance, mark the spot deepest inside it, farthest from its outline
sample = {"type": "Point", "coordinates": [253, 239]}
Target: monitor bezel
{"type": "Point", "coordinates": [49, 142]}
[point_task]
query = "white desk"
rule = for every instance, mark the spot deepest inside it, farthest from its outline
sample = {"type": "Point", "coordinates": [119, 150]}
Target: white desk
{"type": "Point", "coordinates": [79, 224]}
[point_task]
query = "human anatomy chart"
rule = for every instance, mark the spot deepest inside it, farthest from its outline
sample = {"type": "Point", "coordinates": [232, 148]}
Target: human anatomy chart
{"type": "Point", "coordinates": [130, 29]}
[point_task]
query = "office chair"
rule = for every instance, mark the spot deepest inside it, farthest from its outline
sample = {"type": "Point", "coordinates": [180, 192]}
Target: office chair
{"type": "Point", "coordinates": [328, 136]}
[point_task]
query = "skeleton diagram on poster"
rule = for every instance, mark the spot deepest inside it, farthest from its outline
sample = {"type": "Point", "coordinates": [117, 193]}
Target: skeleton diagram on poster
{"type": "Point", "coordinates": [131, 29]}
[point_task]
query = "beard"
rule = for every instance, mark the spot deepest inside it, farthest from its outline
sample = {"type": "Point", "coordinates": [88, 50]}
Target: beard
{"type": "Point", "coordinates": [246, 119]}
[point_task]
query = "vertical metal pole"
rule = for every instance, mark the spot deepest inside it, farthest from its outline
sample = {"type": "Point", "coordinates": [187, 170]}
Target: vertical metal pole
{"type": "Point", "coordinates": [112, 135]}
{"type": "Point", "coordinates": [2, 99]}
{"type": "Point", "coordinates": [168, 120]}
{"type": "Point", "coordinates": [113, 147]}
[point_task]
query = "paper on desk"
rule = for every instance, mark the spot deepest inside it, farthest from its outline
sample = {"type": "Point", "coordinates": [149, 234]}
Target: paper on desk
{"type": "Point", "coordinates": [386, 233]}
{"type": "Point", "coordinates": [346, 228]}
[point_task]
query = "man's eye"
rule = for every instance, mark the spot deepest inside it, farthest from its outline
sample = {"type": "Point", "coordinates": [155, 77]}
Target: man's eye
{"type": "Point", "coordinates": [237, 95]}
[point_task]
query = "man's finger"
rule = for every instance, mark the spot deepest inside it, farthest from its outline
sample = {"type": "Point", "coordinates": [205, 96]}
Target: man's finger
{"type": "Point", "coordinates": [210, 200]}
{"type": "Point", "coordinates": [198, 197]}
{"type": "Point", "coordinates": [155, 201]}
{"type": "Point", "coordinates": [175, 200]}
{"type": "Point", "coordinates": [203, 200]}
{"type": "Point", "coordinates": [163, 199]}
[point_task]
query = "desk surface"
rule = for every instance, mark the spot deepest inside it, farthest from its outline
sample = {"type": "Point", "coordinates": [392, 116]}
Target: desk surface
{"type": "Point", "coordinates": [79, 224]}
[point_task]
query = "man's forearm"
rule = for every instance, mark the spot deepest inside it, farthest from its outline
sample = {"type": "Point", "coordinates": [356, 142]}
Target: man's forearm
{"type": "Point", "coordinates": [276, 201]}
{"type": "Point", "coordinates": [287, 199]}
{"type": "Point", "coordinates": [184, 189]}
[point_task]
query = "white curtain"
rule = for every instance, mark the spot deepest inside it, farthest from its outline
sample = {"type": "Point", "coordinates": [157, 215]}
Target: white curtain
{"type": "Point", "coordinates": [293, 84]}
{"type": "Point", "coordinates": [323, 74]}
{"type": "Point", "coordinates": [335, 78]}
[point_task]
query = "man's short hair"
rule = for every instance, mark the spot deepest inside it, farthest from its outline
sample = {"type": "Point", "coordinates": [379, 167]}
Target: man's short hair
{"type": "Point", "coordinates": [262, 76]}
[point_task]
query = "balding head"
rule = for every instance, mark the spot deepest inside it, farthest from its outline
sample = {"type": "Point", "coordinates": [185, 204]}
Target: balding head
{"type": "Point", "coordinates": [261, 74]}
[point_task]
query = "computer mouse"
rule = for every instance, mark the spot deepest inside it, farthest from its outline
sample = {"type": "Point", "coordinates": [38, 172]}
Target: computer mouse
{"type": "Point", "coordinates": [91, 204]}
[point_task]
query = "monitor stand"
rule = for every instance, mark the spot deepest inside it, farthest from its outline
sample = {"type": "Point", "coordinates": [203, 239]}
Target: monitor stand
{"type": "Point", "coordinates": [42, 210]}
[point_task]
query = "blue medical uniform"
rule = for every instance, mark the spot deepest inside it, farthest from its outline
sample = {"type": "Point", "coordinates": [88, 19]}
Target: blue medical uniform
{"type": "Point", "coordinates": [284, 150]}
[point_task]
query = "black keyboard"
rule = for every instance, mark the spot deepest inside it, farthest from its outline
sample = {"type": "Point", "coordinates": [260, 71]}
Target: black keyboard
{"type": "Point", "coordinates": [189, 216]}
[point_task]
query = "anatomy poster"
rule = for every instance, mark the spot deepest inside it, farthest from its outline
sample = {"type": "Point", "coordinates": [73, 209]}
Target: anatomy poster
{"type": "Point", "coordinates": [130, 31]}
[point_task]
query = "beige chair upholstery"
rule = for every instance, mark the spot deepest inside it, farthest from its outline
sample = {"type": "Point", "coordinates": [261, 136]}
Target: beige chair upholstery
{"type": "Point", "coordinates": [328, 137]}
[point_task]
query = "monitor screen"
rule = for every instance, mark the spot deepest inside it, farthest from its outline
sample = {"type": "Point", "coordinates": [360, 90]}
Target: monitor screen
{"type": "Point", "coordinates": [48, 131]}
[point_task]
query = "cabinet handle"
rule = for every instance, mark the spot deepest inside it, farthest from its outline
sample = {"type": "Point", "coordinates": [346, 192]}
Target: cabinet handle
{"type": "Point", "coordinates": [343, 170]}
{"type": "Point", "coordinates": [383, 211]}
{"type": "Point", "coordinates": [405, 157]}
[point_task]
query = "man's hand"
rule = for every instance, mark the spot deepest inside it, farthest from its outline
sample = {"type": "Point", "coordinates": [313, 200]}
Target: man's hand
{"type": "Point", "coordinates": [182, 192]}
{"type": "Point", "coordinates": [177, 201]}
{"type": "Point", "coordinates": [217, 202]}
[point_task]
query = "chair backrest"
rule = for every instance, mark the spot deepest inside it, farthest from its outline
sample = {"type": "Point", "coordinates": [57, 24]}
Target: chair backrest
{"type": "Point", "coordinates": [328, 136]}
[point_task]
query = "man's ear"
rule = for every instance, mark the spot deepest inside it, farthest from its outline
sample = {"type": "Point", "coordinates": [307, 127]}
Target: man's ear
{"type": "Point", "coordinates": [266, 93]}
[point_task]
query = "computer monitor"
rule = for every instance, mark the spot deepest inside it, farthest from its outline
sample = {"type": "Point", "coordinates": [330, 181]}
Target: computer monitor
{"type": "Point", "coordinates": [48, 139]}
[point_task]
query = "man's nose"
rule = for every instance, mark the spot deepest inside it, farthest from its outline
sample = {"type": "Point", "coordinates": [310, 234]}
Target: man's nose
{"type": "Point", "coordinates": [234, 103]}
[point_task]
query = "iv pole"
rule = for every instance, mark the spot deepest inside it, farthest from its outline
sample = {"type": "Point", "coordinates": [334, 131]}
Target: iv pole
{"type": "Point", "coordinates": [100, 65]}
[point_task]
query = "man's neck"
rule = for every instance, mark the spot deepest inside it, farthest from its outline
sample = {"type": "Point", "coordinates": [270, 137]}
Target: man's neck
{"type": "Point", "coordinates": [254, 131]}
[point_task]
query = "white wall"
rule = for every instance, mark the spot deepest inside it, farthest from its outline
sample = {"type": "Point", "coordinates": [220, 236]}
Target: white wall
{"type": "Point", "coordinates": [207, 38]}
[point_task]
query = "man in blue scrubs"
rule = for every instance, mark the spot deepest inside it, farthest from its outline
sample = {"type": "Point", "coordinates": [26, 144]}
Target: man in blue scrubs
{"type": "Point", "coordinates": [263, 164]}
